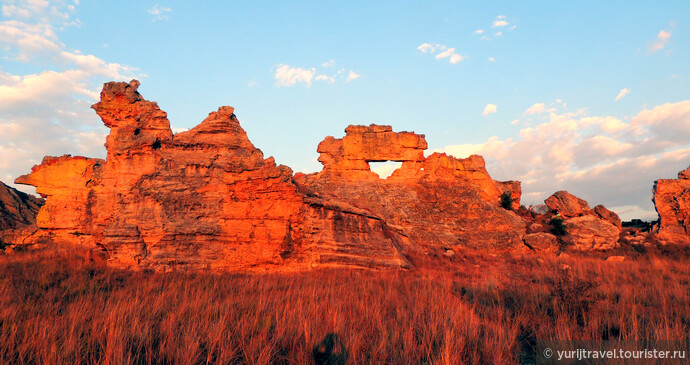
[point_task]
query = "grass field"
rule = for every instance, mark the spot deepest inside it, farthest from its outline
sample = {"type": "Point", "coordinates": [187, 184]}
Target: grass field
{"type": "Point", "coordinates": [59, 307]}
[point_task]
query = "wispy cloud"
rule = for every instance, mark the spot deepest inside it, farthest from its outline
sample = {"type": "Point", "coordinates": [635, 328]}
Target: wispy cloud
{"type": "Point", "coordinates": [490, 109]}
{"type": "Point", "coordinates": [622, 94]}
{"type": "Point", "coordinates": [351, 76]}
{"type": "Point", "coordinates": [492, 59]}
{"type": "Point", "coordinates": [443, 52]}
{"type": "Point", "coordinates": [660, 42]}
{"type": "Point", "coordinates": [499, 23]}
{"type": "Point", "coordinates": [159, 13]}
{"type": "Point", "coordinates": [286, 75]}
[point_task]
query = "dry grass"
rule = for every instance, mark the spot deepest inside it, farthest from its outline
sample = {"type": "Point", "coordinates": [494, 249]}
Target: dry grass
{"type": "Point", "coordinates": [61, 308]}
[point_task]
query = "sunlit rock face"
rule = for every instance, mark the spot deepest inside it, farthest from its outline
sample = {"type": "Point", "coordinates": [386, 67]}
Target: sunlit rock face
{"type": "Point", "coordinates": [18, 212]}
{"type": "Point", "coordinates": [587, 229]}
{"type": "Point", "coordinates": [205, 198]}
{"type": "Point", "coordinates": [438, 201]}
{"type": "Point", "coordinates": [208, 199]}
{"type": "Point", "coordinates": [672, 202]}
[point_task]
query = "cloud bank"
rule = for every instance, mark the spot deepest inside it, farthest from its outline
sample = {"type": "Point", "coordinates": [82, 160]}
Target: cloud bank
{"type": "Point", "coordinates": [603, 159]}
{"type": "Point", "coordinates": [48, 113]}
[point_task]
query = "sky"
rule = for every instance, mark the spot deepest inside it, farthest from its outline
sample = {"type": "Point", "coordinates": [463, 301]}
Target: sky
{"type": "Point", "coordinates": [590, 97]}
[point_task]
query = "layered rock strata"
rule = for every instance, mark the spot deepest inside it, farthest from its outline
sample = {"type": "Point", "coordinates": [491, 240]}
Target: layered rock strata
{"type": "Point", "coordinates": [205, 198]}
{"type": "Point", "coordinates": [672, 202]}
{"type": "Point", "coordinates": [18, 212]}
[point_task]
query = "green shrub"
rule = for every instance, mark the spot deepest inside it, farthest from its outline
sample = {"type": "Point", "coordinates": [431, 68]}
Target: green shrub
{"type": "Point", "coordinates": [557, 226]}
{"type": "Point", "coordinates": [507, 200]}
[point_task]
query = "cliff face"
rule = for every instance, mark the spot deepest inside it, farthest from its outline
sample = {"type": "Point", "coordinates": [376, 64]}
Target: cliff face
{"type": "Point", "coordinates": [207, 198]}
{"type": "Point", "coordinates": [204, 198]}
{"type": "Point", "coordinates": [672, 202]}
{"type": "Point", "coordinates": [438, 201]}
{"type": "Point", "coordinates": [17, 214]}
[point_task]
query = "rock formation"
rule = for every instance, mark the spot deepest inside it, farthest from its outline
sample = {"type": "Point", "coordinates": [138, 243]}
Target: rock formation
{"type": "Point", "coordinates": [435, 201]}
{"type": "Point", "coordinates": [672, 202]}
{"type": "Point", "coordinates": [17, 214]}
{"type": "Point", "coordinates": [207, 198]}
{"type": "Point", "coordinates": [204, 198]}
{"type": "Point", "coordinates": [587, 229]}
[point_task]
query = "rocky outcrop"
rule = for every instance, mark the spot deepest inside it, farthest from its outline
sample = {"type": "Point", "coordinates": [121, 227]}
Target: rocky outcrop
{"type": "Point", "coordinates": [587, 229]}
{"type": "Point", "coordinates": [438, 201]}
{"type": "Point", "coordinates": [17, 214]}
{"type": "Point", "coordinates": [672, 202]}
{"type": "Point", "coordinates": [205, 198]}
{"type": "Point", "coordinates": [542, 242]}
{"type": "Point", "coordinates": [567, 205]}
{"type": "Point", "coordinates": [591, 233]}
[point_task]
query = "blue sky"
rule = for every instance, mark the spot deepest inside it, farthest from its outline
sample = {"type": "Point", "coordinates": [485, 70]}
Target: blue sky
{"type": "Point", "coordinates": [590, 97]}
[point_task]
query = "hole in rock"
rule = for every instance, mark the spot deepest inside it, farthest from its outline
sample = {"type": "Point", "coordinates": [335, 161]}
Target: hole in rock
{"type": "Point", "coordinates": [384, 169]}
{"type": "Point", "coordinates": [156, 145]}
{"type": "Point", "coordinates": [136, 131]}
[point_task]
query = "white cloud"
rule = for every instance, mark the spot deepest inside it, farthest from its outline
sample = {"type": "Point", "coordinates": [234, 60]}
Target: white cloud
{"type": "Point", "coordinates": [159, 13]}
{"type": "Point", "coordinates": [501, 17]}
{"type": "Point", "coordinates": [445, 52]}
{"type": "Point", "coordinates": [329, 79]}
{"type": "Point", "coordinates": [660, 42]}
{"type": "Point", "coordinates": [599, 158]}
{"type": "Point", "coordinates": [490, 109]}
{"type": "Point", "coordinates": [622, 94]}
{"type": "Point", "coordinates": [537, 108]}
{"type": "Point", "coordinates": [47, 113]}
{"type": "Point", "coordinates": [479, 31]}
{"type": "Point", "coordinates": [498, 34]}
{"type": "Point", "coordinates": [351, 76]}
{"type": "Point", "coordinates": [492, 59]}
{"type": "Point", "coordinates": [288, 76]}
{"type": "Point", "coordinates": [329, 63]}
{"type": "Point", "coordinates": [427, 48]}
{"type": "Point", "coordinates": [499, 23]}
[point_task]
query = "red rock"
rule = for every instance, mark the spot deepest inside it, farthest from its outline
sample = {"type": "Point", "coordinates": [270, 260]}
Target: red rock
{"type": "Point", "coordinates": [591, 233]}
{"type": "Point", "coordinates": [17, 214]}
{"type": "Point", "coordinates": [439, 201]}
{"type": "Point", "coordinates": [607, 215]}
{"type": "Point", "coordinates": [542, 242]}
{"type": "Point", "coordinates": [567, 205]}
{"type": "Point", "coordinates": [204, 198]}
{"type": "Point", "coordinates": [672, 202]}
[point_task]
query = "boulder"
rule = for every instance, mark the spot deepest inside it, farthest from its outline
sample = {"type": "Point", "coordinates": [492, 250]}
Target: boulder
{"type": "Point", "coordinates": [591, 233]}
{"type": "Point", "coordinates": [672, 202]}
{"type": "Point", "coordinates": [567, 205]}
{"type": "Point", "coordinates": [542, 242]}
{"type": "Point", "coordinates": [608, 216]}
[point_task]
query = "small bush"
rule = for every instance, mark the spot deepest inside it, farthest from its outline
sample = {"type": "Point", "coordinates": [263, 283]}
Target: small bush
{"type": "Point", "coordinates": [507, 200]}
{"type": "Point", "coordinates": [557, 226]}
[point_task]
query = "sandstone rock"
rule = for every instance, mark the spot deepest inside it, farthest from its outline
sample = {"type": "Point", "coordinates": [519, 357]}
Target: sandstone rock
{"type": "Point", "coordinates": [205, 198]}
{"type": "Point", "coordinates": [591, 233]}
{"type": "Point", "coordinates": [536, 227]}
{"type": "Point", "coordinates": [608, 215]}
{"type": "Point", "coordinates": [567, 205]}
{"type": "Point", "coordinates": [672, 201]}
{"type": "Point", "coordinates": [18, 212]}
{"type": "Point", "coordinates": [542, 242]}
{"type": "Point", "coordinates": [616, 259]}
{"type": "Point", "coordinates": [438, 201]}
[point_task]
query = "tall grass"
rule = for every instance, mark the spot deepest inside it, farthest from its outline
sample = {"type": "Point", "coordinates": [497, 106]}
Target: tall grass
{"type": "Point", "coordinates": [63, 308]}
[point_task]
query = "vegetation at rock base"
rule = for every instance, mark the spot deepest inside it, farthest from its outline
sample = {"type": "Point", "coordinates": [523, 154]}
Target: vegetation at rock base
{"type": "Point", "coordinates": [557, 226]}
{"type": "Point", "coordinates": [507, 200]}
{"type": "Point", "coordinates": [61, 307]}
